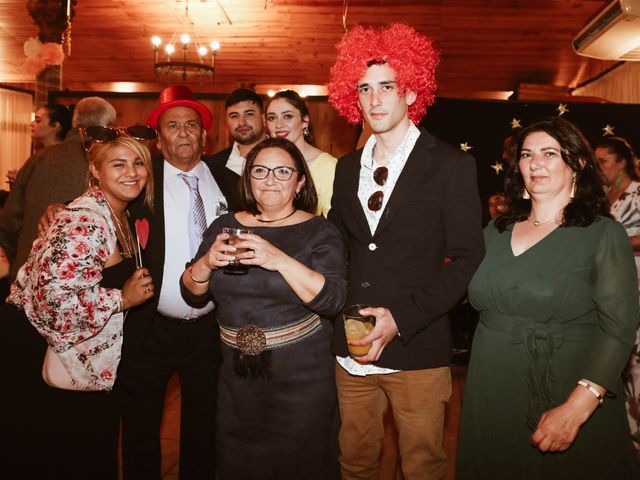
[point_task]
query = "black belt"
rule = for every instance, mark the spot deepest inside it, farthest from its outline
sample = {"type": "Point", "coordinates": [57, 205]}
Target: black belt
{"type": "Point", "coordinates": [182, 320]}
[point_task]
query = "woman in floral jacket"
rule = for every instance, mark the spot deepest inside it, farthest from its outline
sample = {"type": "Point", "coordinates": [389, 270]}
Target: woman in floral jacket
{"type": "Point", "coordinates": [81, 277]}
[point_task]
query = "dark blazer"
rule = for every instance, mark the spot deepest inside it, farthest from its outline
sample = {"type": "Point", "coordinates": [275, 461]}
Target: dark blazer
{"type": "Point", "coordinates": [434, 212]}
{"type": "Point", "coordinates": [218, 161]}
{"type": "Point", "coordinates": [220, 158]}
{"type": "Point", "coordinates": [140, 319]}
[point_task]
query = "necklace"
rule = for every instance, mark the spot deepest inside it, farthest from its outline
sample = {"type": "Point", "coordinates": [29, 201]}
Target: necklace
{"type": "Point", "coordinates": [277, 219]}
{"type": "Point", "coordinates": [537, 223]}
{"type": "Point", "coordinates": [126, 242]}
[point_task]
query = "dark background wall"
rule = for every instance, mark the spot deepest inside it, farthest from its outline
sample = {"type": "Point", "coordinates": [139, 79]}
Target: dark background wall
{"type": "Point", "coordinates": [484, 125]}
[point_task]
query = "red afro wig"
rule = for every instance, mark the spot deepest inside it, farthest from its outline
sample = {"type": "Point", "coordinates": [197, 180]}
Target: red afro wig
{"type": "Point", "coordinates": [409, 53]}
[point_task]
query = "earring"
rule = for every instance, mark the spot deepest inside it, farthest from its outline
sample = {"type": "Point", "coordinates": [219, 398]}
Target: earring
{"type": "Point", "coordinates": [572, 194]}
{"type": "Point", "coordinates": [525, 195]}
{"type": "Point", "coordinates": [297, 196]}
{"type": "Point", "coordinates": [94, 182]}
{"type": "Point", "coordinates": [305, 131]}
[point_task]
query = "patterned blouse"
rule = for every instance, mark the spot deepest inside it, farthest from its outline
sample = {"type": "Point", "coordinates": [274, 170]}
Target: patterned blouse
{"type": "Point", "coordinates": [626, 209]}
{"type": "Point", "coordinates": [58, 288]}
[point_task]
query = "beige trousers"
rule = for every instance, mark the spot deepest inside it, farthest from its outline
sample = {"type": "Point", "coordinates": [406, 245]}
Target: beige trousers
{"type": "Point", "coordinates": [418, 400]}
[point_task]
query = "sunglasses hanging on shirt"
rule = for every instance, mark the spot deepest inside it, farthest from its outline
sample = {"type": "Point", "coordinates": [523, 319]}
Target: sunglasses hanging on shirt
{"type": "Point", "coordinates": [380, 176]}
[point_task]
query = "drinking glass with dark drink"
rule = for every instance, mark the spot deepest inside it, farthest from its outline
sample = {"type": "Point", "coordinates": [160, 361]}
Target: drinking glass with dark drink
{"type": "Point", "coordinates": [235, 267]}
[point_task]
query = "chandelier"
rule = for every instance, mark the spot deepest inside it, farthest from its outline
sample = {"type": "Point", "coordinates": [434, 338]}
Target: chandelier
{"type": "Point", "coordinates": [200, 64]}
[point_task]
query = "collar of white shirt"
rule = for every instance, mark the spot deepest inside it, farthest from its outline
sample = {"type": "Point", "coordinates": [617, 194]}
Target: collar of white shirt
{"type": "Point", "coordinates": [235, 162]}
{"type": "Point", "coordinates": [176, 201]}
{"type": "Point", "coordinates": [400, 155]}
{"type": "Point", "coordinates": [367, 185]}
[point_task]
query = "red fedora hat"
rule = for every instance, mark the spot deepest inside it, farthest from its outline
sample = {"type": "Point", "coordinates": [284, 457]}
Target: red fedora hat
{"type": "Point", "coordinates": [179, 96]}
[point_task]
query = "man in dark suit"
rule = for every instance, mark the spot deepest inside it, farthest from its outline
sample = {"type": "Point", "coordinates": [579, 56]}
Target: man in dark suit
{"type": "Point", "coordinates": [404, 202]}
{"type": "Point", "coordinates": [245, 120]}
{"type": "Point", "coordinates": [167, 335]}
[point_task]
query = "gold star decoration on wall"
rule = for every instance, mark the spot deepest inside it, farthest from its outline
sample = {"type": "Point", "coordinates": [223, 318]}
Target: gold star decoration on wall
{"type": "Point", "coordinates": [515, 123]}
{"type": "Point", "coordinates": [607, 130]}
{"type": "Point", "coordinates": [498, 167]}
{"type": "Point", "coordinates": [465, 147]}
{"type": "Point", "coordinates": [562, 109]}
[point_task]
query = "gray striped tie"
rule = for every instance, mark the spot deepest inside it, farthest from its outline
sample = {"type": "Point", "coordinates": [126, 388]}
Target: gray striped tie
{"type": "Point", "coordinates": [197, 218]}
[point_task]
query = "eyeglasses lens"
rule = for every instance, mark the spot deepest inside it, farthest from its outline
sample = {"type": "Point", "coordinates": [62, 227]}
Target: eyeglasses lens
{"type": "Point", "coordinates": [100, 134]}
{"type": "Point", "coordinates": [283, 174]}
{"type": "Point", "coordinates": [142, 132]}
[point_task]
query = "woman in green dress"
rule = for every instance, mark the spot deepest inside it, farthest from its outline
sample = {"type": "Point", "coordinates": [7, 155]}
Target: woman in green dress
{"type": "Point", "coordinates": [558, 300]}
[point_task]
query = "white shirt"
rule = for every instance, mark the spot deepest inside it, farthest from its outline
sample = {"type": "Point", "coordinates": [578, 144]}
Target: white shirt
{"type": "Point", "coordinates": [236, 161]}
{"type": "Point", "coordinates": [366, 187]}
{"type": "Point", "coordinates": [176, 241]}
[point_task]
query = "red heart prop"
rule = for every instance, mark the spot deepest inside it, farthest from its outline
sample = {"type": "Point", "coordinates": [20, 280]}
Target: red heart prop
{"type": "Point", "coordinates": [142, 230]}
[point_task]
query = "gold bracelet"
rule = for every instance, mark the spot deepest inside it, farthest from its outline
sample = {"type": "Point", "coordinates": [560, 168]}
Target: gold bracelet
{"type": "Point", "coordinates": [199, 282]}
{"type": "Point", "coordinates": [595, 392]}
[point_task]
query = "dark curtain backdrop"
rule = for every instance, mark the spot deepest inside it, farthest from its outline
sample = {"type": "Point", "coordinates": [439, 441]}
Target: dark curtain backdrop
{"type": "Point", "coordinates": [484, 124]}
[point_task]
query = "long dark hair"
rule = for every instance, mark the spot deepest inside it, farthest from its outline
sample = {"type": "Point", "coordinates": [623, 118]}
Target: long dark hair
{"type": "Point", "coordinates": [590, 200]}
{"type": "Point", "coordinates": [619, 147]}
{"type": "Point", "coordinates": [306, 199]}
{"type": "Point", "coordinates": [299, 104]}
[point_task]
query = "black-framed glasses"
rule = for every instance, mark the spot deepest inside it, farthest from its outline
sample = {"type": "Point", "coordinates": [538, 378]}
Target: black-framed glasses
{"type": "Point", "coordinates": [98, 134]}
{"type": "Point", "coordinates": [283, 173]}
{"type": "Point", "coordinates": [380, 176]}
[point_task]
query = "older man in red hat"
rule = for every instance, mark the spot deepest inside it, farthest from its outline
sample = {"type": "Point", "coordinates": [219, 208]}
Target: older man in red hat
{"type": "Point", "coordinates": [167, 335]}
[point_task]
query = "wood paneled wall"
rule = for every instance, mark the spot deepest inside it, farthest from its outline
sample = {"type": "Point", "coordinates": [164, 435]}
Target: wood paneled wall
{"type": "Point", "coordinates": [332, 134]}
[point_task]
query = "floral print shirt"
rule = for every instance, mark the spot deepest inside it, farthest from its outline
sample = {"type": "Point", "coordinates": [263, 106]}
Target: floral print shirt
{"type": "Point", "coordinates": [58, 289]}
{"type": "Point", "coordinates": [626, 209]}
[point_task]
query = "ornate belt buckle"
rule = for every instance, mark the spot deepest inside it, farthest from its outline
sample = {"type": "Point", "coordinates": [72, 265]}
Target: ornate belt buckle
{"type": "Point", "coordinates": [251, 340]}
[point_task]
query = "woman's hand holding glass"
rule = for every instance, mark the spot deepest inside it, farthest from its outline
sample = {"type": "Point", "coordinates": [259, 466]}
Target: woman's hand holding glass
{"type": "Point", "coordinates": [137, 289]}
{"type": "Point", "coordinates": [260, 253]}
{"type": "Point", "coordinates": [221, 254]}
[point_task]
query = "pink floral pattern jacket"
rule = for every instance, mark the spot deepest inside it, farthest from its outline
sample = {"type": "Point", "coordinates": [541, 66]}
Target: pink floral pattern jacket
{"type": "Point", "coordinates": [58, 288]}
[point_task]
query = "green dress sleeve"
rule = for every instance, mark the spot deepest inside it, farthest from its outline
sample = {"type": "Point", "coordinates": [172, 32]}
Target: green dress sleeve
{"type": "Point", "coordinates": [615, 295]}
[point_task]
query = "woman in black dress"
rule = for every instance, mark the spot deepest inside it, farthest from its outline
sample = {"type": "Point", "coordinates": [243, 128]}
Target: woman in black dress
{"type": "Point", "coordinates": [278, 413]}
{"type": "Point", "coordinates": [71, 294]}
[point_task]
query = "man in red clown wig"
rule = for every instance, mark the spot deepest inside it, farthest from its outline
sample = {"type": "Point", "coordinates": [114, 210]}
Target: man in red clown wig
{"type": "Point", "coordinates": [403, 203]}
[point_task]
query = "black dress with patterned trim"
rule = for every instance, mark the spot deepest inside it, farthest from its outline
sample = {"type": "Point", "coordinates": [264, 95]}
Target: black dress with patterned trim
{"type": "Point", "coordinates": [285, 423]}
